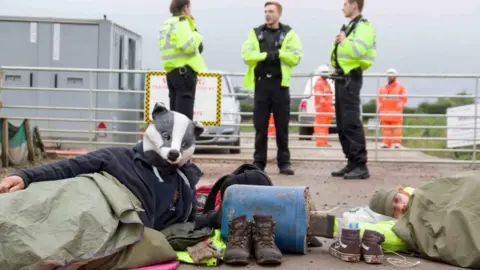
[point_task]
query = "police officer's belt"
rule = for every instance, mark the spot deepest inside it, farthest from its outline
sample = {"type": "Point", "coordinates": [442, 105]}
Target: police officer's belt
{"type": "Point", "coordinates": [339, 75]}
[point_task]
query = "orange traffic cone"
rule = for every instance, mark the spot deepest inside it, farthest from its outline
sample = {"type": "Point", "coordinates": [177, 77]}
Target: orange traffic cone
{"type": "Point", "coordinates": [271, 126]}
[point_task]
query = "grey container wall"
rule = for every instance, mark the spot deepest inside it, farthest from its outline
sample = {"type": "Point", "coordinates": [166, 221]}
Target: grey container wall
{"type": "Point", "coordinates": [68, 43]}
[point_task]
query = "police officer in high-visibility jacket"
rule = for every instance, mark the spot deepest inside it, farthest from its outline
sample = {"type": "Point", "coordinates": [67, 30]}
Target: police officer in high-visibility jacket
{"type": "Point", "coordinates": [180, 49]}
{"type": "Point", "coordinates": [271, 51]}
{"type": "Point", "coordinates": [391, 100]}
{"type": "Point", "coordinates": [353, 53]}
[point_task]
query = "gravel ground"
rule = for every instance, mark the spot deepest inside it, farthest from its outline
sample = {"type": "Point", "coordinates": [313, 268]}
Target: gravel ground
{"type": "Point", "coordinates": [328, 192]}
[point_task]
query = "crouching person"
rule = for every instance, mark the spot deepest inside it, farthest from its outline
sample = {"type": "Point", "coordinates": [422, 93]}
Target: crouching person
{"type": "Point", "coordinates": [109, 210]}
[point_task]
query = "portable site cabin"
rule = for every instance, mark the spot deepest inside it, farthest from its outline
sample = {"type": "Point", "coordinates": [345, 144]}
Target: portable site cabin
{"type": "Point", "coordinates": [71, 43]}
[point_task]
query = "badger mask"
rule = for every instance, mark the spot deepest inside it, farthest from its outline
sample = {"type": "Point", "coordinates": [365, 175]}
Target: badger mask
{"type": "Point", "coordinates": [170, 138]}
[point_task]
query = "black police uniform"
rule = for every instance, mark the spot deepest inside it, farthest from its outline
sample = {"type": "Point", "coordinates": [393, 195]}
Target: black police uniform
{"type": "Point", "coordinates": [347, 113]}
{"type": "Point", "coordinates": [182, 85]}
{"type": "Point", "coordinates": [271, 96]}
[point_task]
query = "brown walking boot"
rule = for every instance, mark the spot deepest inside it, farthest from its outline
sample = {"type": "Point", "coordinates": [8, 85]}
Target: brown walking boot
{"type": "Point", "coordinates": [263, 235]}
{"type": "Point", "coordinates": [347, 248]}
{"type": "Point", "coordinates": [239, 245]}
{"type": "Point", "coordinates": [372, 247]}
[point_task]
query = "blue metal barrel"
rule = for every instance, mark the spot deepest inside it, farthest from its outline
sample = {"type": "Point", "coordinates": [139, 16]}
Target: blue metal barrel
{"type": "Point", "coordinates": [285, 204]}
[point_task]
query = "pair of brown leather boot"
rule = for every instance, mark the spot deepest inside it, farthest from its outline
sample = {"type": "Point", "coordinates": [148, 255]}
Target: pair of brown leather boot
{"type": "Point", "coordinates": [258, 236]}
{"type": "Point", "coordinates": [350, 248]}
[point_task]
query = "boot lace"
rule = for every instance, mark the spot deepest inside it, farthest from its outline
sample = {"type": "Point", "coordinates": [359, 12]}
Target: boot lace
{"type": "Point", "coordinates": [238, 234]}
{"type": "Point", "coordinates": [264, 234]}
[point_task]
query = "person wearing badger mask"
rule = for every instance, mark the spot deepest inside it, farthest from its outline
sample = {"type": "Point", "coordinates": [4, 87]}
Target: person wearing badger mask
{"type": "Point", "coordinates": [157, 170]}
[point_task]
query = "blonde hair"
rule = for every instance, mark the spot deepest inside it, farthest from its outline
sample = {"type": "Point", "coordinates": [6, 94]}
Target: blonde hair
{"type": "Point", "coordinates": [403, 191]}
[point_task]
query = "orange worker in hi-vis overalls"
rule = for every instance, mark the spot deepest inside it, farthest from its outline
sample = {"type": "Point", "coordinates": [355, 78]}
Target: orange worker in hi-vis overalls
{"type": "Point", "coordinates": [323, 104]}
{"type": "Point", "coordinates": [392, 103]}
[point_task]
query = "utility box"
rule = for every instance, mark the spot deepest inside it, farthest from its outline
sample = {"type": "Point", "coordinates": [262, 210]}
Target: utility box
{"type": "Point", "coordinates": [71, 43]}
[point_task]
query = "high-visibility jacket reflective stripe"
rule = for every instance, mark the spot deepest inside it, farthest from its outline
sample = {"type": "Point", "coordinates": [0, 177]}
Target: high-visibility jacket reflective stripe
{"type": "Point", "coordinates": [179, 43]}
{"type": "Point", "coordinates": [358, 50]}
{"type": "Point", "coordinates": [290, 55]}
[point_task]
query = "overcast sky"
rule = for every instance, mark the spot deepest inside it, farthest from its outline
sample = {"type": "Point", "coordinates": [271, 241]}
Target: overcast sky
{"type": "Point", "coordinates": [425, 36]}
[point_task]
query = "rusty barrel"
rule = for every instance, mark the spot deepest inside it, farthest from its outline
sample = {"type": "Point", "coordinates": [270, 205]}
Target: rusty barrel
{"type": "Point", "coordinates": [287, 206]}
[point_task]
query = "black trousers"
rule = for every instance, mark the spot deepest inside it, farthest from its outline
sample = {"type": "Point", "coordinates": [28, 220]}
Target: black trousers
{"type": "Point", "coordinates": [182, 84]}
{"type": "Point", "coordinates": [270, 97]}
{"type": "Point", "coordinates": [347, 113]}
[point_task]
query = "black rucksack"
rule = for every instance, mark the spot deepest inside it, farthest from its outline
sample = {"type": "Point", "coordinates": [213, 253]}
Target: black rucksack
{"type": "Point", "coordinates": [247, 174]}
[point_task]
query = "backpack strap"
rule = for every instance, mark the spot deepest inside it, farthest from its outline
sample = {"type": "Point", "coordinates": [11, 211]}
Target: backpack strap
{"type": "Point", "coordinates": [223, 183]}
{"type": "Point", "coordinates": [212, 195]}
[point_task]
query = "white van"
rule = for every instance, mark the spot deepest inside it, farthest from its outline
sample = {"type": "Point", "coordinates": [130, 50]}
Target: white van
{"type": "Point", "coordinates": [306, 110]}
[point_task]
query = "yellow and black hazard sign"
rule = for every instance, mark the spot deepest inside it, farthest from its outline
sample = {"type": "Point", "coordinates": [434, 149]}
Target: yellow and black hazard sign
{"type": "Point", "coordinates": [156, 80]}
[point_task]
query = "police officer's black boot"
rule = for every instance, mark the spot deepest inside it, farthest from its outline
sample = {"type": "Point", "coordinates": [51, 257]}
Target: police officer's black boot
{"type": "Point", "coordinates": [341, 173]}
{"type": "Point", "coordinates": [287, 170]}
{"type": "Point", "coordinates": [359, 172]}
{"type": "Point", "coordinates": [259, 165]}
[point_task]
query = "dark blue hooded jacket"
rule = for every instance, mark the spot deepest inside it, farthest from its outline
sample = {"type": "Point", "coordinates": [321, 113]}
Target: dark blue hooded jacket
{"type": "Point", "coordinates": [130, 168]}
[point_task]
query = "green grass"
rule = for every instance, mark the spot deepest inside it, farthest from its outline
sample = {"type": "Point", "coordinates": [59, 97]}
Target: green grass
{"type": "Point", "coordinates": [291, 129]}
{"type": "Point", "coordinates": [429, 132]}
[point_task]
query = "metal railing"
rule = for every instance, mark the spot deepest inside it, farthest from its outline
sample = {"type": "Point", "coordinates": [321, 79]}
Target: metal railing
{"type": "Point", "coordinates": [92, 141]}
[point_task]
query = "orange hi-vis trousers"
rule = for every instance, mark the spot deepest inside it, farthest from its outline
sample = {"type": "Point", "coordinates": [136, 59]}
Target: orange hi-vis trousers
{"type": "Point", "coordinates": [392, 135]}
{"type": "Point", "coordinates": [323, 104]}
{"type": "Point", "coordinates": [325, 121]}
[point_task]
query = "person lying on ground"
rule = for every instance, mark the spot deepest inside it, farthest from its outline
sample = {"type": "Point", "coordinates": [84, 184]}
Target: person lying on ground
{"type": "Point", "coordinates": [437, 221]}
{"type": "Point", "coordinates": [157, 170]}
{"type": "Point", "coordinates": [155, 179]}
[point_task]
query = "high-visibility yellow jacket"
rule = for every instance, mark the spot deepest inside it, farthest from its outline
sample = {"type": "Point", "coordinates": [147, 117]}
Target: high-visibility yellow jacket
{"type": "Point", "coordinates": [217, 241]}
{"type": "Point", "coordinates": [358, 50]}
{"type": "Point", "coordinates": [179, 44]}
{"type": "Point", "coordinates": [290, 54]}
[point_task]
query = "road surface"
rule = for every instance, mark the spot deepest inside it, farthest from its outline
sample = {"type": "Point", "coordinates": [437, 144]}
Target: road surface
{"type": "Point", "coordinates": [329, 192]}
{"type": "Point", "coordinates": [305, 149]}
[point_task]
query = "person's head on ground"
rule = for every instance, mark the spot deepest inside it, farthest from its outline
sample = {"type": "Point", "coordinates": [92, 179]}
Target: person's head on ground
{"type": "Point", "coordinates": [353, 8]}
{"type": "Point", "coordinates": [181, 7]}
{"type": "Point", "coordinates": [392, 75]}
{"type": "Point", "coordinates": [392, 203]}
{"type": "Point", "coordinates": [273, 11]}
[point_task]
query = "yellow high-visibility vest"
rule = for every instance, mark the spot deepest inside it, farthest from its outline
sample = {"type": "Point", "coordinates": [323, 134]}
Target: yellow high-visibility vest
{"type": "Point", "coordinates": [358, 50]}
{"type": "Point", "coordinates": [179, 44]}
{"type": "Point", "coordinates": [290, 54]}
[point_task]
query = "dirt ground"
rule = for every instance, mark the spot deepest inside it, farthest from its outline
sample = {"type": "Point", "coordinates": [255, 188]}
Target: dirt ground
{"type": "Point", "coordinates": [328, 192]}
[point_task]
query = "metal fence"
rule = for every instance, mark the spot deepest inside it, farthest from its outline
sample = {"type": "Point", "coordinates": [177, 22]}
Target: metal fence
{"type": "Point", "coordinates": [90, 119]}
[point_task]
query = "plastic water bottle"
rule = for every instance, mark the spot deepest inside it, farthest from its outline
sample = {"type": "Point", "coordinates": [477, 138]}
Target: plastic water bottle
{"type": "Point", "coordinates": [349, 221]}
{"type": "Point", "coordinates": [352, 223]}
